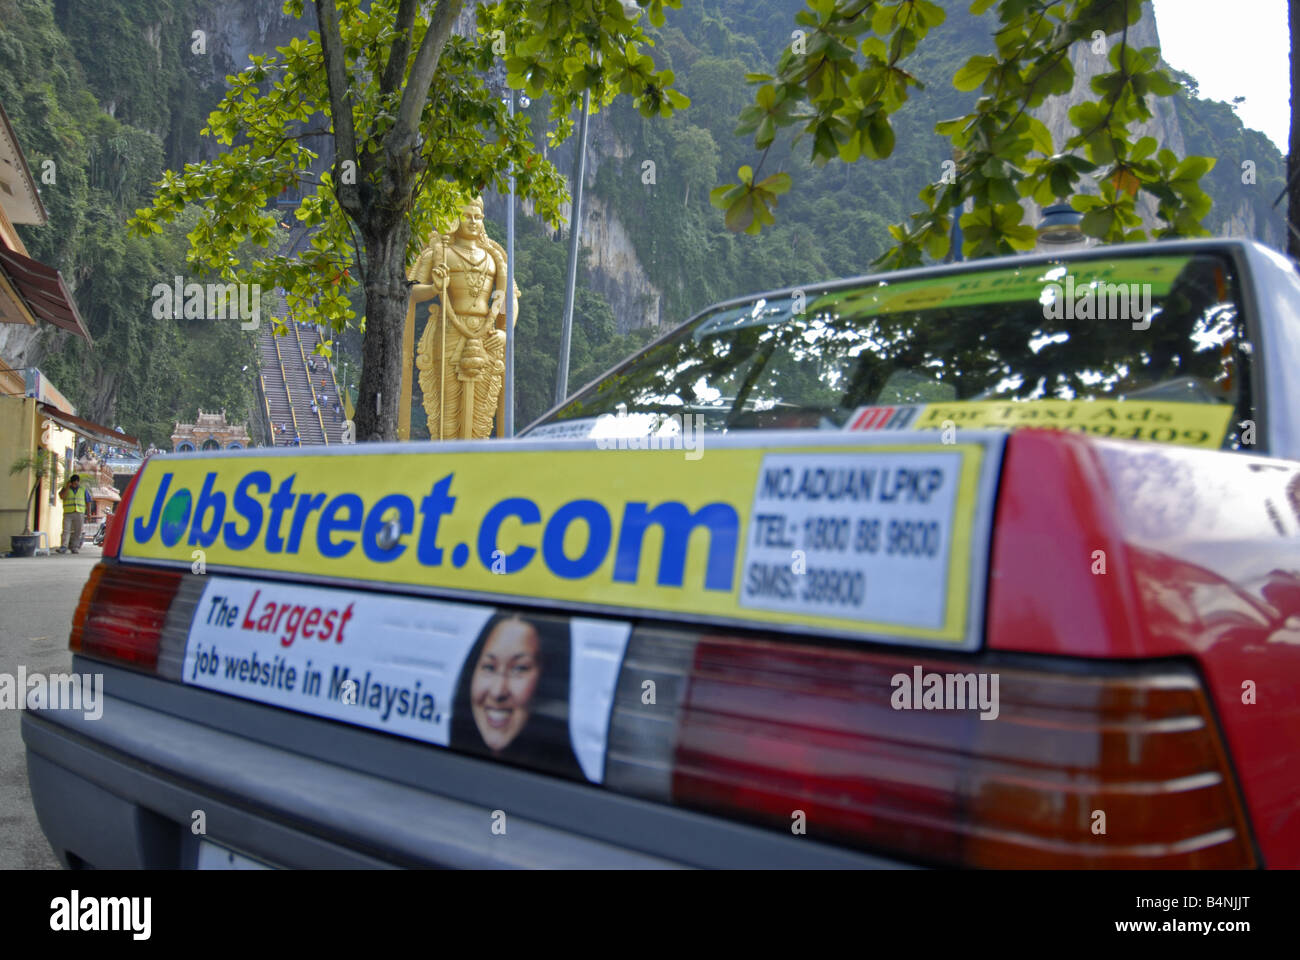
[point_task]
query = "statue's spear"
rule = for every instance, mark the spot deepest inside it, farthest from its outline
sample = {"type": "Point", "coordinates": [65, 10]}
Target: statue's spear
{"type": "Point", "coordinates": [442, 351]}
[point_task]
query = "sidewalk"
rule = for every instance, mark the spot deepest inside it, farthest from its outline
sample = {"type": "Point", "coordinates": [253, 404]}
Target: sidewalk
{"type": "Point", "coordinates": [37, 598]}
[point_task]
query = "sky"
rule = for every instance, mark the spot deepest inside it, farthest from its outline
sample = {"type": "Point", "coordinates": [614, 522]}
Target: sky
{"type": "Point", "coordinates": [1234, 48]}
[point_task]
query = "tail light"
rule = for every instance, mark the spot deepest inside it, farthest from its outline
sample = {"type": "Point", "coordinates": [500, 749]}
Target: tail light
{"type": "Point", "coordinates": [122, 612]}
{"type": "Point", "coordinates": [1113, 769]}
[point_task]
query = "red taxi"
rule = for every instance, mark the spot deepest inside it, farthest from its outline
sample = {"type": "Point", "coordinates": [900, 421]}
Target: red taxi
{"type": "Point", "coordinates": [994, 564]}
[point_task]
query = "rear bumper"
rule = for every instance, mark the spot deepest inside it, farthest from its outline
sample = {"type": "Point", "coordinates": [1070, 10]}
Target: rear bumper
{"type": "Point", "coordinates": [124, 791]}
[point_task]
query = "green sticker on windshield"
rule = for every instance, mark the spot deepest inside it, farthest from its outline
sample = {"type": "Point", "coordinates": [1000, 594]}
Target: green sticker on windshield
{"type": "Point", "coordinates": [1014, 284]}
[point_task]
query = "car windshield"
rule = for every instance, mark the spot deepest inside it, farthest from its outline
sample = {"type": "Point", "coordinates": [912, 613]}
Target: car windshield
{"type": "Point", "coordinates": [1144, 347]}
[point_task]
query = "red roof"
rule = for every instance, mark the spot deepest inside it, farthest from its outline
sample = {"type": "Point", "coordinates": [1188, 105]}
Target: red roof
{"type": "Point", "coordinates": [43, 290]}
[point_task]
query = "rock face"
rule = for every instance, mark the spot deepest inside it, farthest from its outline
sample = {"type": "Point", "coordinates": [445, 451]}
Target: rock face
{"type": "Point", "coordinates": [1244, 222]}
{"type": "Point", "coordinates": [1165, 126]}
{"type": "Point", "coordinates": [614, 269]}
{"type": "Point", "coordinates": [236, 29]}
{"type": "Point", "coordinates": [616, 273]}
{"type": "Point", "coordinates": [18, 344]}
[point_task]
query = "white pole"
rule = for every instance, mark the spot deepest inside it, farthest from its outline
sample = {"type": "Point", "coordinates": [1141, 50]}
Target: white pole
{"type": "Point", "coordinates": [575, 228]}
{"type": "Point", "coordinates": [510, 298]}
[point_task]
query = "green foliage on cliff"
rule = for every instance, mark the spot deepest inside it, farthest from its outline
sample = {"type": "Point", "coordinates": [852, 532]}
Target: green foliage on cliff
{"type": "Point", "coordinates": [62, 68]}
{"type": "Point", "coordinates": [834, 220]}
{"type": "Point", "coordinates": [847, 73]}
{"type": "Point", "coordinates": [1212, 128]}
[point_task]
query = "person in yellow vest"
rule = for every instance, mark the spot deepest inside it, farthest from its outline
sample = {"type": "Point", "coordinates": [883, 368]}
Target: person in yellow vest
{"type": "Point", "coordinates": [76, 501]}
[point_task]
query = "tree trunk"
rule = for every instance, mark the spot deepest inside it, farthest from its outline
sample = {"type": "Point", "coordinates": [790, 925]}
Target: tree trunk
{"type": "Point", "coordinates": [1293, 153]}
{"type": "Point", "coordinates": [381, 347]}
{"type": "Point", "coordinates": [103, 396]}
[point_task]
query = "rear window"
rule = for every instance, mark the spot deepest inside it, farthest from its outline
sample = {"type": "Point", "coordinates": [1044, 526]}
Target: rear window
{"type": "Point", "coordinates": [1144, 347]}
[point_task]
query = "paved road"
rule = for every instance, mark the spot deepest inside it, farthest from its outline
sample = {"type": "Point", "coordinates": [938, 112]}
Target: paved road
{"type": "Point", "coordinates": [37, 600]}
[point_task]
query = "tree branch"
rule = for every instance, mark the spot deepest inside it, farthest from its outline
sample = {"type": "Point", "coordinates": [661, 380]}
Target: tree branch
{"type": "Point", "coordinates": [395, 69]}
{"type": "Point", "coordinates": [417, 85]}
{"type": "Point", "coordinates": [345, 138]}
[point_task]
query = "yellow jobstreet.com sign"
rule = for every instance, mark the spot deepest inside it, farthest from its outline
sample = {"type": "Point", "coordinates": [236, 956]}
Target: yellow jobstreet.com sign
{"type": "Point", "coordinates": [843, 535]}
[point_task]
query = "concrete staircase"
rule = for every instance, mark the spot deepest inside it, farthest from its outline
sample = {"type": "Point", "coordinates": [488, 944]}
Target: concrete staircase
{"type": "Point", "coordinates": [279, 409]}
{"type": "Point", "coordinates": [290, 386]}
{"type": "Point", "coordinates": [321, 388]}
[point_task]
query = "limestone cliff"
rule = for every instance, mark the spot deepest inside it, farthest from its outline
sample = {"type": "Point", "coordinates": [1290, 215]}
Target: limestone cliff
{"type": "Point", "coordinates": [615, 269]}
{"type": "Point", "coordinates": [1232, 216]}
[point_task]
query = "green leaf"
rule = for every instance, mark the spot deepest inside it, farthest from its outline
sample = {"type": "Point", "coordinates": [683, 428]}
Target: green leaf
{"type": "Point", "coordinates": [776, 184]}
{"type": "Point", "coordinates": [1193, 168]}
{"type": "Point", "coordinates": [740, 215]}
{"type": "Point", "coordinates": [1062, 180]}
{"type": "Point", "coordinates": [1098, 223]}
{"type": "Point", "coordinates": [1087, 116]}
{"type": "Point", "coordinates": [824, 144]}
{"type": "Point", "coordinates": [1021, 236]}
{"type": "Point", "coordinates": [974, 73]}
{"type": "Point", "coordinates": [1161, 84]}
{"type": "Point", "coordinates": [850, 149]}
{"type": "Point", "coordinates": [880, 135]}
{"type": "Point", "coordinates": [873, 46]}
{"type": "Point", "coordinates": [948, 128]}
{"type": "Point", "coordinates": [1143, 148]}
{"type": "Point", "coordinates": [882, 20]}
{"type": "Point", "coordinates": [929, 14]}
{"type": "Point", "coordinates": [937, 244]}
{"type": "Point", "coordinates": [748, 121]}
{"type": "Point", "coordinates": [1040, 135]}
{"type": "Point", "coordinates": [1003, 191]}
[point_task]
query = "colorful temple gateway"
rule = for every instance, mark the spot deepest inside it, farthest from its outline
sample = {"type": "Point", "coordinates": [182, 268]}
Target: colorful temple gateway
{"type": "Point", "coordinates": [209, 431]}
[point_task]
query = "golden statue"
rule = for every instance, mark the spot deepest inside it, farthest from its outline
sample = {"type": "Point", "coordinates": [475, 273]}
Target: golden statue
{"type": "Point", "coordinates": [461, 356]}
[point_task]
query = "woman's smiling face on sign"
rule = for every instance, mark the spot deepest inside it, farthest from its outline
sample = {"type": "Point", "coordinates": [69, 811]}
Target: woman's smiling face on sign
{"type": "Point", "coordinates": [505, 679]}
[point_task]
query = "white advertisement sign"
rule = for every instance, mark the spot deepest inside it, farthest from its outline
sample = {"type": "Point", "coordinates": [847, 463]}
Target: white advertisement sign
{"type": "Point", "coordinates": [854, 534]}
{"type": "Point", "coordinates": [407, 666]}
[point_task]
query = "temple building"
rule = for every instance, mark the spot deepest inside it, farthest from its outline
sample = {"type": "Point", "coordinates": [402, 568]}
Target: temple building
{"type": "Point", "coordinates": [209, 432]}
